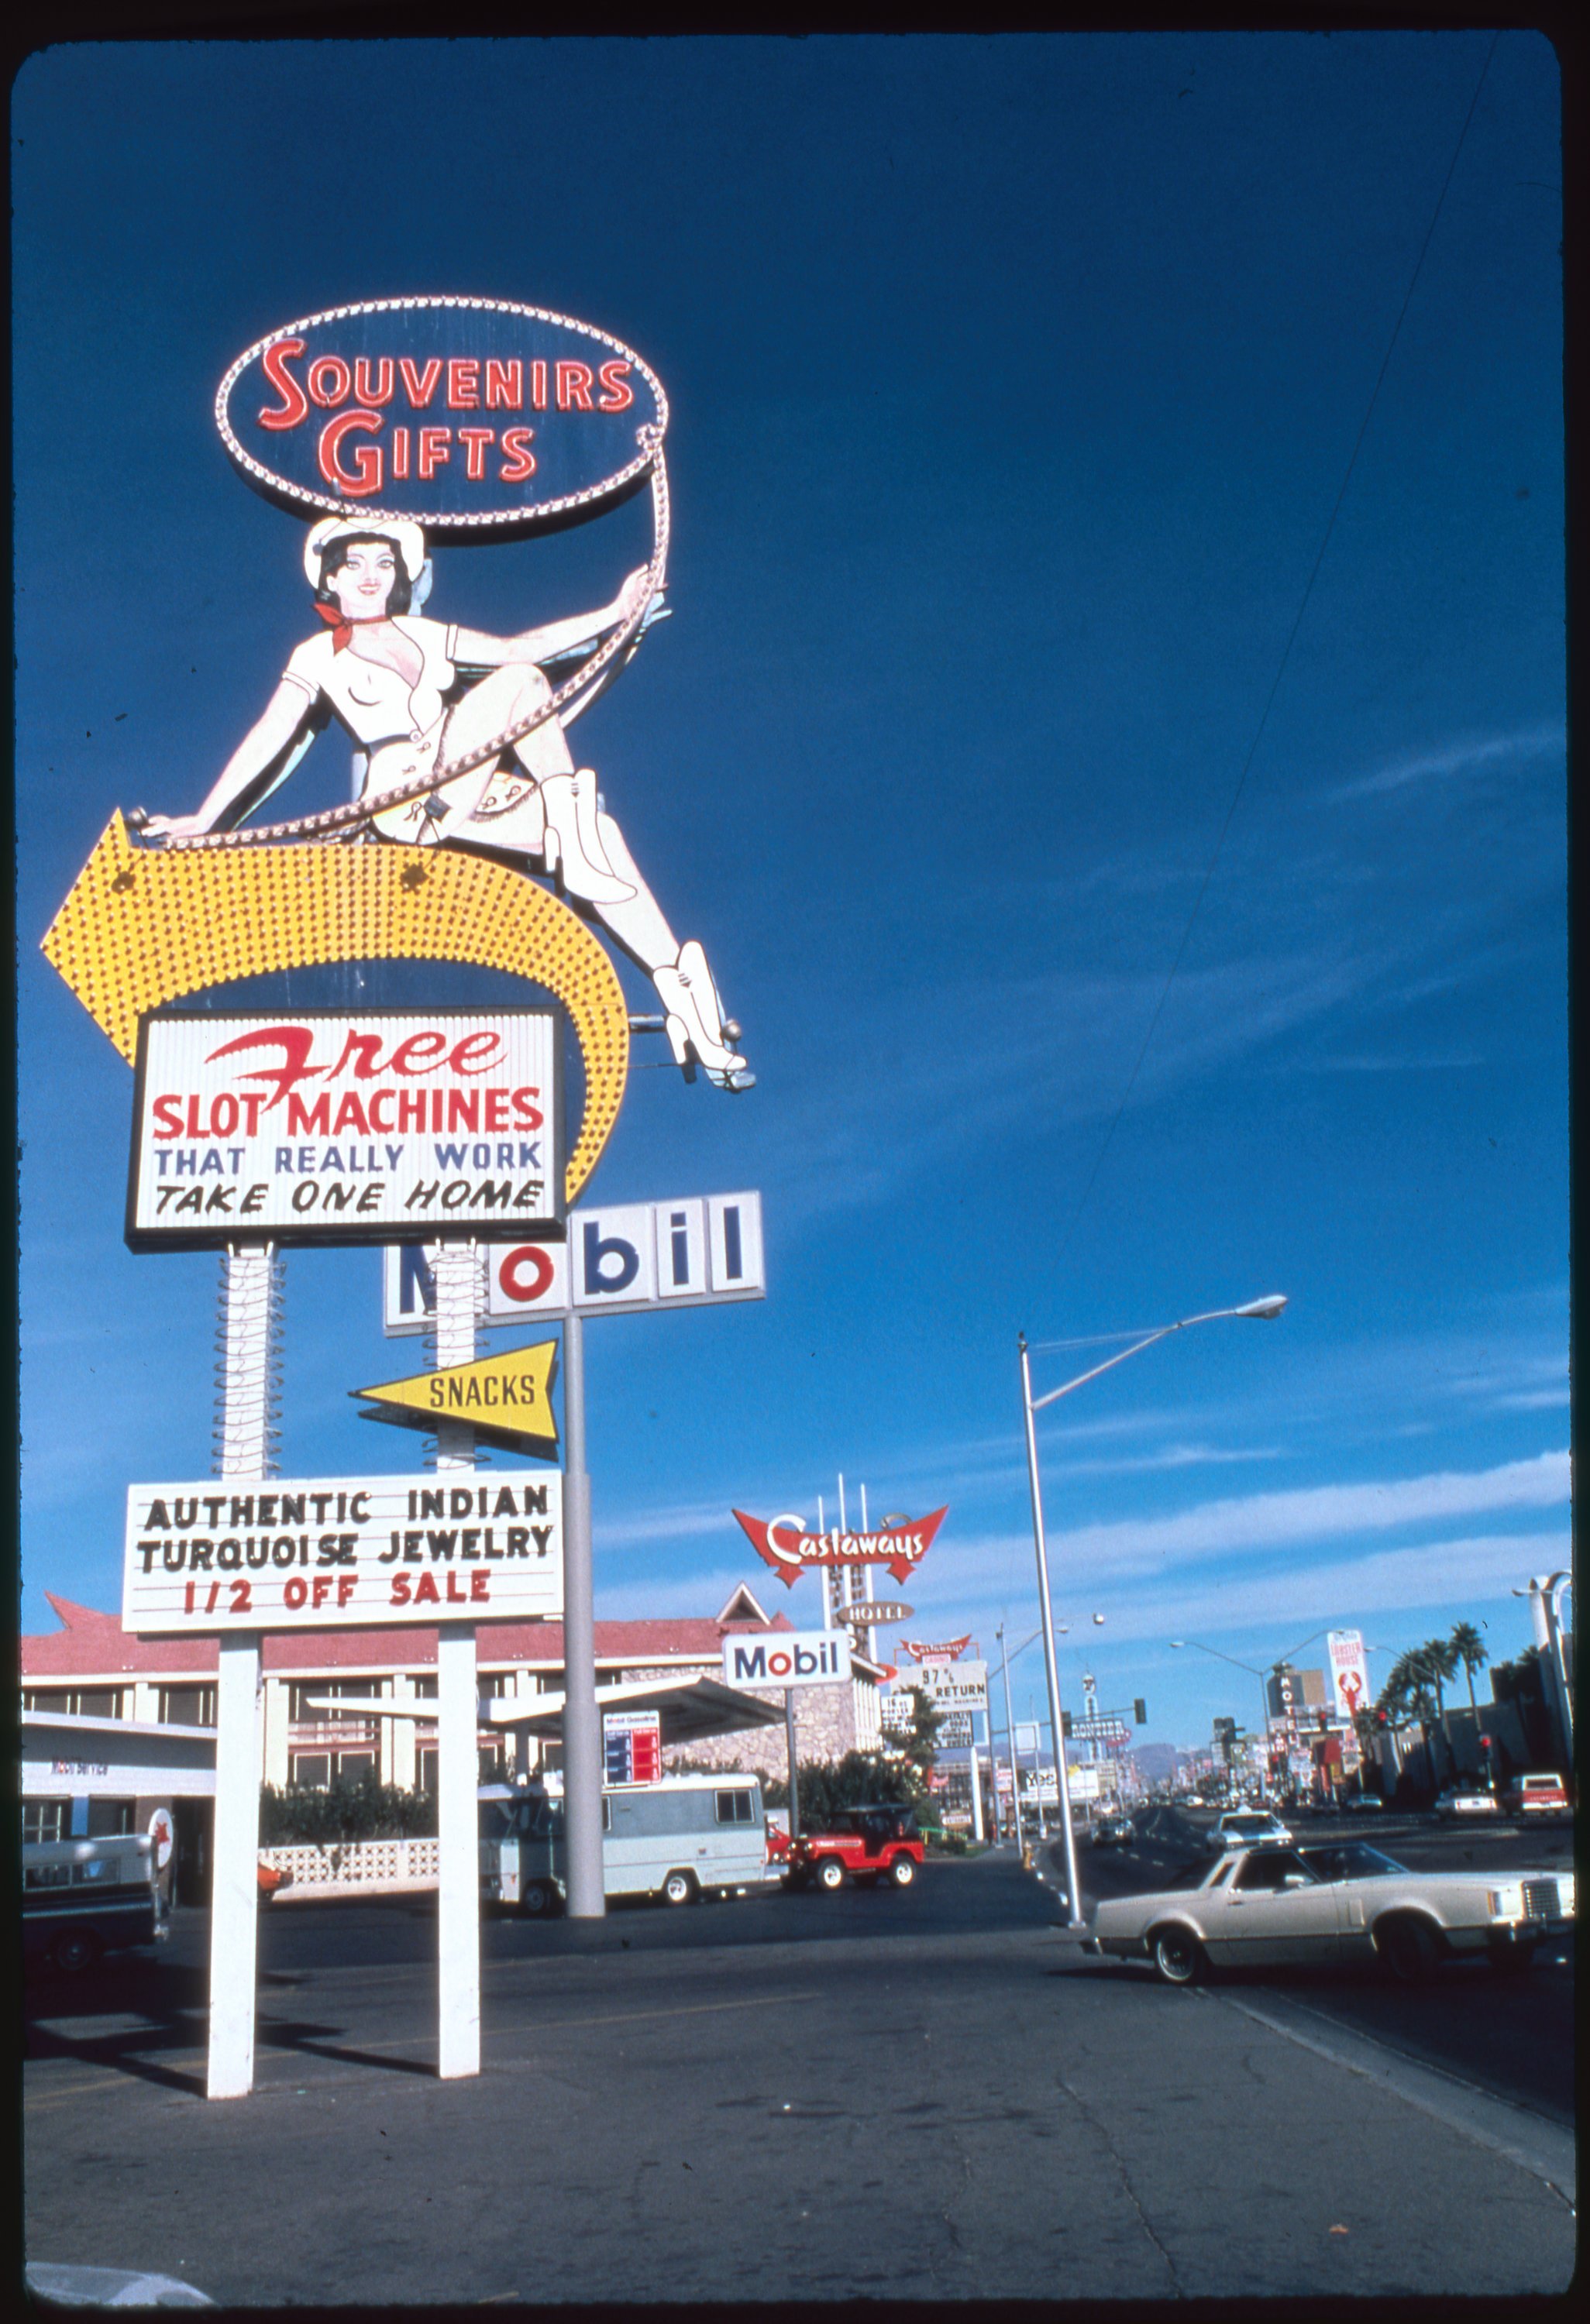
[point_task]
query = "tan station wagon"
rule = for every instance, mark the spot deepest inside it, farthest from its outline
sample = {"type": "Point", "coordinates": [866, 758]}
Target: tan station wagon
{"type": "Point", "coordinates": [1266, 1907]}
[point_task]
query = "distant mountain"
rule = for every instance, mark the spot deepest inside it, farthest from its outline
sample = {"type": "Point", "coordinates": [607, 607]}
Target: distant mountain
{"type": "Point", "coordinates": [1156, 1763]}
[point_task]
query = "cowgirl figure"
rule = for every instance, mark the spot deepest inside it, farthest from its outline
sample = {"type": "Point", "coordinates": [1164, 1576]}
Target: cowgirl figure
{"type": "Point", "coordinates": [413, 693]}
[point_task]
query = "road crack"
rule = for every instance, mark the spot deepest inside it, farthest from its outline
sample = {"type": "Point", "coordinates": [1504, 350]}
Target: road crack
{"type": "Point", "coordinates": [1096, 2124]}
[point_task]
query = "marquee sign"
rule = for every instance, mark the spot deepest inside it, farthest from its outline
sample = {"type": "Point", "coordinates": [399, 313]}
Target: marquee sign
{"type": "Point", "coordinates": [786, 1546]}
{"type": "Point", "coordinates": [949, 1686]}
{"type": "Point", "coordinates": [304, 1553]}
{"type": "Point", "coordinates": [950, 1651]}
{"type": "Point", "coordinates": [459, 414]}
{"type": "Point", "coordinates": [336, 1127]}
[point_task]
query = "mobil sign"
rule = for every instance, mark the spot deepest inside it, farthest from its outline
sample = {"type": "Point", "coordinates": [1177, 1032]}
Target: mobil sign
{"type": "Point", "coordinates": [692, 1252]}
{"type": "Point", "coordinates": [785, 1658]}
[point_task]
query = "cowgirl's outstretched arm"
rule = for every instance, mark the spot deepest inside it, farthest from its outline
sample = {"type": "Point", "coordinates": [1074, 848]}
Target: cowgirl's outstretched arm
{"type": "Point", "coordinates": [480, 649]}
{"type": "Point", "coordinates": [286, 716]}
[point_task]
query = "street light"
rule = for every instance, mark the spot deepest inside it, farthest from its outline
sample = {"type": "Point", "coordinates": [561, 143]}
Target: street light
{"type": "Point", "coordinates": [1262, 1676]}
{"type": "Point", "coordinates": [1265, 1309]}
{"type": "Point", "coordinates": [1545, 1593]}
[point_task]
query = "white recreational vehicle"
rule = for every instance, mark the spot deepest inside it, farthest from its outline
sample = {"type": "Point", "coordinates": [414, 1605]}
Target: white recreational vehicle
{"type": "Point", "coordinates": [686, 1837]}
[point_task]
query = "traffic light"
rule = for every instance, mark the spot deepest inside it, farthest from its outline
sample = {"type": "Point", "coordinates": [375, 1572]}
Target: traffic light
{"type": "Point", "coordinates": [1140, 1712]}
{"type": "Point", "coordinates": [1066, 1725]}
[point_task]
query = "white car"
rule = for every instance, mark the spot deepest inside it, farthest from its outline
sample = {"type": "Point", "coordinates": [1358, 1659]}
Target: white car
{"type": "Point", "coordinates": [1263, 1907]}
{"type": "Point", "coordinates": [1247, 1828]}
{"type": "Point", "coordinates": [1468, 1800]}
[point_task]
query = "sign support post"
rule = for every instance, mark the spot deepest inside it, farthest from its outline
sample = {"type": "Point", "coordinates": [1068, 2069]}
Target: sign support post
{"type": "Point", "coordinates": [458, 1718]}
{"type": "Point", "coordinates": [794, 1779]}
{"type": "Point", "coordinates": [249, 1287]}
{"type": "Point", "coordinates": [582, 1727]}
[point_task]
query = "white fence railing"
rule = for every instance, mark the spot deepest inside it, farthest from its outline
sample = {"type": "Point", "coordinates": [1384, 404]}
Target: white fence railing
{"type": "Point", "coordinates": [357, 1867]}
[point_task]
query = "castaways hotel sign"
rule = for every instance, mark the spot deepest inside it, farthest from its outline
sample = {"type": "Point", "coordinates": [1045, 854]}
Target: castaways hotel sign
{"type": "Point", "coordinates": [474, 413]}
{"type": "Point", "coordinates": [790, 1549]}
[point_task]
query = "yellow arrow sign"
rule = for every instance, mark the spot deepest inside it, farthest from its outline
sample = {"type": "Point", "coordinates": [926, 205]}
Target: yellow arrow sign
{"type": "Point", "coordinates": [143, 925]}
{"type": "Point", "coordinates": [505, 1398]}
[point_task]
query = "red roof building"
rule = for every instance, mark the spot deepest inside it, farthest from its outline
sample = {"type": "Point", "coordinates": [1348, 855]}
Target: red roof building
{"type": "Point", "coordinates": [324, 1688]}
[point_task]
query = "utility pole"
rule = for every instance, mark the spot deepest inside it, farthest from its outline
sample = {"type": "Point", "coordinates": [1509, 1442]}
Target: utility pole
{"type": "Point", "coordinates": [1010, 1736]}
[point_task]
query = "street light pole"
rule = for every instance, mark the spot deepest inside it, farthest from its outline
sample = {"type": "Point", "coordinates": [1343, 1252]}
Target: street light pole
{"type": "Point", "coordinates": [1266, 1308]}
{"type": "Point", "coordinates": [1073, 1916]}
{"type": "Point", "coordinates": [1264, 1677]}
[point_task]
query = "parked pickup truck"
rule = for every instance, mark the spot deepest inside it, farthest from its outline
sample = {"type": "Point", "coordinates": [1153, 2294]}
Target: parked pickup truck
{"type": "Point", "coordinates": [1535, 1795]}
{"type": "Point", "coordinates": [869, 1843]}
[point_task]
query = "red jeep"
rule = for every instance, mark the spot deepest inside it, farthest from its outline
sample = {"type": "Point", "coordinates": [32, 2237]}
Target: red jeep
{"type": "Point", "coordinates": [870, 1843]}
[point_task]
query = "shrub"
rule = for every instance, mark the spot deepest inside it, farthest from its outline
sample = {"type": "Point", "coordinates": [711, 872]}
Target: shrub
{"type": "Point", "coordinates": [860, 1779]}
{"type": "Point", "coordinates": [348, 1810]}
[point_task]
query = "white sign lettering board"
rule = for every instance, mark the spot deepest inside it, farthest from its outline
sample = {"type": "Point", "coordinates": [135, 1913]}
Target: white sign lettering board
{"type": "Point", "coordinates": [693, 1252]}
{"type": "Point", "coordinates": [1349, 1673]}
{"type": "Point", "coordinates": [948, 1687]}
{"type": "Point", "coordinates": [275, 1553]}
{"type": "Point", "coordinates": [785, 1658]}
{"type": "Point", "coordinates": [326, 1125]}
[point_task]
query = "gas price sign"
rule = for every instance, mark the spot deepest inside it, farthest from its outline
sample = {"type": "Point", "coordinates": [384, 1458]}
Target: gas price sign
{"type": "Point", "coordinates": [280, 1555]}
{"type": "Point", "coordinates": [631, 1747]}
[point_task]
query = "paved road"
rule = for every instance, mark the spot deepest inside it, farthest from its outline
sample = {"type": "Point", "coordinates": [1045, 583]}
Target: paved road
{"type": "Point", "coordinates": [1514, 2037]}
{"type": "Point", "coordinates": [916, 2096]}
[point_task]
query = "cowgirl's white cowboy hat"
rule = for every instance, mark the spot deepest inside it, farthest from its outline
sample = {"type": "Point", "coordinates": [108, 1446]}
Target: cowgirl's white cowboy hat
{"type": "Point", "coordinates": [406, 539]}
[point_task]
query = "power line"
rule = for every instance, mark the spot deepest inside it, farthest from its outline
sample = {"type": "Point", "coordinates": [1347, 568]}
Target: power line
{"type": "Point", "coordinates": [1280, 673]}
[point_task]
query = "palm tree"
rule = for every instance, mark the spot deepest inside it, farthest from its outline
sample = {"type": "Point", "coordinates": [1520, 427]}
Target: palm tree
{"type": "Point", "coordinates": [1472, 1651]}
{"type": "Point", "coordinates": [1405, 1698]}
{"type": "Point", "coordinates": [1440, 1659]}
{"type": "Point", "coordinates": [1437, 1658]}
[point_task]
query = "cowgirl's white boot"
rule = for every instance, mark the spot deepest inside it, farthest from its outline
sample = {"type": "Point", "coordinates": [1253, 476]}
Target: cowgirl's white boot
{"type": "Point", "coordinates": [693, 1020]}
{"type": "Point", "coordinates": [574, 844]}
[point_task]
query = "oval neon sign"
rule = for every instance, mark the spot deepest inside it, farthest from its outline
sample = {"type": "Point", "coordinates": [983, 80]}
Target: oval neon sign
{"type": "Point", "coordinates": [462, 415]}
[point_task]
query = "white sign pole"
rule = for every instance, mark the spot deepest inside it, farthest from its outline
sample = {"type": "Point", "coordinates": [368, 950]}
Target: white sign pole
{"type": "Point", "coordinates": [582, 1725]}
{"type": "Point", "coordinates": [458, 1718]}
{"type": "Point", "coordinates": [249, 1287]}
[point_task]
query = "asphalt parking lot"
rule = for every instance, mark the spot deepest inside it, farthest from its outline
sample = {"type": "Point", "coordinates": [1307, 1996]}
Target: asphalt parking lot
{"type": "Point", "coordinates": [914, 2095]}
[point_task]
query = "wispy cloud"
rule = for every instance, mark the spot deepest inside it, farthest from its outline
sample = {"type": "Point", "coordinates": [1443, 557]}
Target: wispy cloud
{"type": "Point", "coordinates": [1443, 1574]}
{"type": "Point", "coordinates": [1263, 1521]}
{"type": "Point", "coordinates": [1442, 1579]}
{"type": "Point", "coordinates": [1091, 1561]}
{"type": "Point", "coordinates": [683, 1523]}
{"type": "Point", "coordinates": [1453, 759]}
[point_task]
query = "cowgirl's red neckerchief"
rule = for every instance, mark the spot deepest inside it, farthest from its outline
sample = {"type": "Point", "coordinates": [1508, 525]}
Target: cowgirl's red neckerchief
{"type": "Point", "coordinates": [342, 626]}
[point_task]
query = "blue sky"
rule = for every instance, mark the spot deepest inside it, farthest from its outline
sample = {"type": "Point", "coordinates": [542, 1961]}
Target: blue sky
{"type": "Point", "coordinates": [1013, 383]}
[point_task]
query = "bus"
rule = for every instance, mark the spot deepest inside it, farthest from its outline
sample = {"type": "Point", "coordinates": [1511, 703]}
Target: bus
{"type": "Point", "coordinates": [678, 1839]}
{"type": "Point", "coordinates": [82, 1898]}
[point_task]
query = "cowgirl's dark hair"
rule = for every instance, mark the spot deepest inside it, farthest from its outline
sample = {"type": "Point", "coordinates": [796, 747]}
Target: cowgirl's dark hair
{"type": "Point", "coordinates": [334, 556]}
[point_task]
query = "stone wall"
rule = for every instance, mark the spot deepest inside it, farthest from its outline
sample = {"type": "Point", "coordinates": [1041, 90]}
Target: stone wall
{"type": "Point", "coordinates": [826, 1726]}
